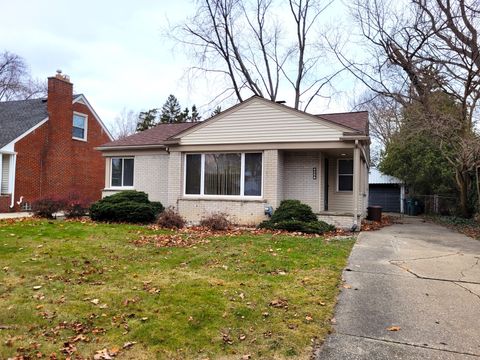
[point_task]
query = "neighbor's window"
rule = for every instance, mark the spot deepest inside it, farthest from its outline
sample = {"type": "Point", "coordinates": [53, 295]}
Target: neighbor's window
{"type": "Point", "coordinates": [122, 172]}
{"type": "Point", "coordinates": [345, 175]}
{"type": "Point", "coordinates": [79, 130]}
{"type": "Point", "coordinates": [234, 174]}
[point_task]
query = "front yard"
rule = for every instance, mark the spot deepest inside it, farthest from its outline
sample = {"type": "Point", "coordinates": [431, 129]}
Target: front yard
{"type": "Point", "coordinates": [87, 290]}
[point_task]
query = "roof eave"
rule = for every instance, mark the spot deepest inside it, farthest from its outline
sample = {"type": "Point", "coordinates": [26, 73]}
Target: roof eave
{"type": "Point", "coordinates": [355, 137]}
{"type": "Point", "coordinates": [130, 147]}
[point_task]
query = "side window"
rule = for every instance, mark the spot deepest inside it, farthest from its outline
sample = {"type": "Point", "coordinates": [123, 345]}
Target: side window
{"type": "Point", "coordinates": [79, 129]}
{"type": "Point", "coordinates": [121, 173]}
{"type": "Point", "coordinates": [345, 175]}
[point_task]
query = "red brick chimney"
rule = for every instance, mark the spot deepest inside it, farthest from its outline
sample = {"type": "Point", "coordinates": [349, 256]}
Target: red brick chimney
{"type": "Point", "coordinates": [57, 158]}
{"type": "Point", "coordinates": [60, 93]}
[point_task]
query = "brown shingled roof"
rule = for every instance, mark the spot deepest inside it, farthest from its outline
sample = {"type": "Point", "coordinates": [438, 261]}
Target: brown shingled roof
{"type": "Point", "coordinates": [355, 120]}
{"type": "Point", "coordinates": [153, 136]}
{"type": "Point", "coordinates": [159, 135]}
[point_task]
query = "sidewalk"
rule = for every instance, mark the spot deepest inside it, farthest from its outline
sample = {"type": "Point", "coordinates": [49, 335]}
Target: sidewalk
{"type": "Point", "coordinates": [15, 215]}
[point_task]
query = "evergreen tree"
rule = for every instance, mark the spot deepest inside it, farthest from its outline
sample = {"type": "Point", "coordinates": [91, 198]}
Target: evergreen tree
{"type": "Point", "coordinates": [171, 111]}
{"type": "Point", "coordinates": [217, 110]}
{"type": "Point", "coordinates": [147, 120]}
{"type": "Point", "coordinates": [195, 117]}
{"type": "Point", "coordinates": [184, 116]}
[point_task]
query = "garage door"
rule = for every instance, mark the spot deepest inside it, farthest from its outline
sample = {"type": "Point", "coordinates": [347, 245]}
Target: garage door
{"type": "Point", "coordinates": [386, 196]}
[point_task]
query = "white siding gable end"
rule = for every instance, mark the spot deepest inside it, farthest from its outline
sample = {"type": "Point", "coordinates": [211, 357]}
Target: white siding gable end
{"type": "Point", "coordinates": [259, 121]}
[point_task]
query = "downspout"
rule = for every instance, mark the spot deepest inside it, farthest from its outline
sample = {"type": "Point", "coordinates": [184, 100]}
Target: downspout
{"type": "Point", "coordinates": [13, 166]}
{"type": "Point", "coordinates": [356, 184]}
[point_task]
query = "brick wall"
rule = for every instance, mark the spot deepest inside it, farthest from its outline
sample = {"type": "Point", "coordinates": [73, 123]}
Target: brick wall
{"type": "Point", "coordinates": [299, 183]}
{"type": "Point", "coordinates": [50, 162]}
{"type": "Point", "coordinates": [150, 176]}
{"type": "Point", "coordinates": [4, 203]}
{"type": "Point", "coordinates": [241, 212]}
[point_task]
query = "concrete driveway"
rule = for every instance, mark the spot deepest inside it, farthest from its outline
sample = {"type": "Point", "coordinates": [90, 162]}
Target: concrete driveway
{"type": "Point", "coordinates": [420, 277]}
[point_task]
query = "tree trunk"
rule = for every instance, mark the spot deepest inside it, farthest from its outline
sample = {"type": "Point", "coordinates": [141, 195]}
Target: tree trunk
{"type": "Point", "coordinates": [462, 183]}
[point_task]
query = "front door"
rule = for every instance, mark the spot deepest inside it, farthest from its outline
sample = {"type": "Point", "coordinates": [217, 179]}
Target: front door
{"type": "Point", "coordinates": [325, 185]}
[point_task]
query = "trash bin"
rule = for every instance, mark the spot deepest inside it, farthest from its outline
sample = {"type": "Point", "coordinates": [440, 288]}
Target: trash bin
{"type": "Point", "coordinates": [374, 213]}
{"type": "Point", "coordinates": [413, 207]}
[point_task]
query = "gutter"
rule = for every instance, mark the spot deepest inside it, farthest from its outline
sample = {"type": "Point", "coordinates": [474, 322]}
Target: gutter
{"type": "Point", "coordinates": [356, 137]}
{"type": "Point", "coordinates": [129, 147]}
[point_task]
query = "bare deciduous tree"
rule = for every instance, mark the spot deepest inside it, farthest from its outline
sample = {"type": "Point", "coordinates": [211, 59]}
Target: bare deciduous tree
{"type": "Point", "coordinates": [385, 116]}
{"type": "Point", "coordinates": [15, 80]}
{"type": "Point", "coordinates": [248, 44]}
{"type": "Point", "coordinates": [125, 124]}
{"type": "Point", "coordinates": [419, 49]}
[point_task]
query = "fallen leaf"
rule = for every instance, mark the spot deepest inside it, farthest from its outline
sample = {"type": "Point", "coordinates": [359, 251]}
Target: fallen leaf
{"type": "Point", "coordinates": [102, 355]}
{"type": "Point", "coordinates": [279, 303]}
{"type": "Point", "coordinates": [393, 328]}
{"type": "Point", "coordinates": [308, 318]}
{"type": "Point", "coordinates": [95, 301]}
{"type": "Point", "coordinates": [129, 344]}
{"type": "Point", "coordinates": [346, 286]}
{"type": "Point", "coordinates": [114, 351]}
{"type": "Point", "coordinates": [242, 337]}
{"type": "Point", "coordinates": [37, 287]}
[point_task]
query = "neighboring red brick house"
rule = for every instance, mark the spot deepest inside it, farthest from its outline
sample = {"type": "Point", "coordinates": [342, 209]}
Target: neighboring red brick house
{"type": "Point", "coordinates": [47, 148]}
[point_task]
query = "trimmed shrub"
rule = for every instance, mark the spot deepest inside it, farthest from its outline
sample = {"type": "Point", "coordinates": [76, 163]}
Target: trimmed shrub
{"type": "Point", "coordinates": [126, 206]}
{"type": "Point", "coordinates": [76, 206]}
{"type": "Point", "coordinates": [157, 207]}
{"type": "Point", "coordinates": [127, 195]}
{"type": "Point", "coordinates": [292, 215]}
{"type": "Point", "coordinates": [293, 210]}
{"type": "Point", "coordinates": [171, 219]}
{"type": "Point", "coordinates": [216, 221]}
{"type": "Point", "coordinates": [313, 227]}
{"type": "Point", "coordinates": [47, 206]}
{"type": "Point", "coordinates": [75, 209]}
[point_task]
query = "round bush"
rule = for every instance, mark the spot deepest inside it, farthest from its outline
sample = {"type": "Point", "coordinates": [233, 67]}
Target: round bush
{"type": "Point", "coordinates": [293, 210]}
{"type": "Point", "coordinates": [128, 195]}
{"type": "Point", "coordinates": [292, 215]}
{"type": "Point", "coordinates": [126, 206]}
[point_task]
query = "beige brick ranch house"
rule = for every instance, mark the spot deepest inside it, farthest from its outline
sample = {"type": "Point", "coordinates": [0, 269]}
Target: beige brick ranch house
{"type": "Point", "coordinates": [247, 159]}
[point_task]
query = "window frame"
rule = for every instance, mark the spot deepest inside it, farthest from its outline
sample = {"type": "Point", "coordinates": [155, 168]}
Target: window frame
{"type": "Point", "coordinates": [123, 169]}
{"type": "Point", "coordinates": [202, 177]}
{"type": "Point", "coordinates": [338, 174]}
{"type": "Point", "coordinates": [85, 130]}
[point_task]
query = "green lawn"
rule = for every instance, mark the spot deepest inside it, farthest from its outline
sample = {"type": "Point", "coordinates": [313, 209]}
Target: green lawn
{"type": "Point", "coordinates": [264, 295]}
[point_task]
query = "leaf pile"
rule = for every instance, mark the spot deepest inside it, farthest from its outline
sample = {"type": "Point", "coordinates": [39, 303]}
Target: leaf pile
{"type": "Point", "coordinates": [368, 225]}
{"type": "Point", "coordinates": [197, 235]}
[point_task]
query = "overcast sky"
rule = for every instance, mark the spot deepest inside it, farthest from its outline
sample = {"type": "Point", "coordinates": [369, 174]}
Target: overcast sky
{"type": "Point", "coordinates": [115, 52]}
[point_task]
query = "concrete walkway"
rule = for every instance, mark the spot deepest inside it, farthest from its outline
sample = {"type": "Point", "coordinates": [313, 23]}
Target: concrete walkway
{"type": "Point", "coordinates": [15, 215]}
{"type": "Point", "coordinates": [421, 277]}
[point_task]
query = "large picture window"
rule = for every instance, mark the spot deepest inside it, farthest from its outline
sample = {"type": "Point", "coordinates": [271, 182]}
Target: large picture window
{"type": "Point", "coordinates": [223, 174]}
{"type": "Point", "coordinates": [345, 175]}
{"type": "Point", "coordinates": [121, 172]}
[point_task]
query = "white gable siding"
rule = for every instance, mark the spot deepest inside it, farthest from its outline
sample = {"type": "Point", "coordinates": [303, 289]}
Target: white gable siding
{"type": "Point", "coordinates": [5, 175]}
{"type": "Point", "coordinates": [258, 122]}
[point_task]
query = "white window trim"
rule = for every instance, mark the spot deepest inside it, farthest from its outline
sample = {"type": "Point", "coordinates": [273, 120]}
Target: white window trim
{"type": "Point", "coordinates": [338, 175]}
{"type": "Point", "coordinates": [110, 175]}
{"type": "Point", "coordinates": [85, 116]}
{"type": "Point", "coordinates": [202, 195]}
